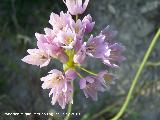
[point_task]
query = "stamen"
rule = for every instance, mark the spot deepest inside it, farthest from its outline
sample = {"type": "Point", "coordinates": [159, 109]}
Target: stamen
{"type": "Point", "coordinates": [69, 40]}
{"type": "Point", "coordinates": [91, 48]}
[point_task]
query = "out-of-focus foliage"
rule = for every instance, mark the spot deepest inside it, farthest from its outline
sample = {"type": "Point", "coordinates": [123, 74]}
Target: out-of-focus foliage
{"type": "Point", "coordinates": [20, 88]}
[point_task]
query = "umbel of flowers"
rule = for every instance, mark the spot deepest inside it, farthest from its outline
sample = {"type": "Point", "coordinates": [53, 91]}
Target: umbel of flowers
{"type": "Point", "coordinates": [65, 42]}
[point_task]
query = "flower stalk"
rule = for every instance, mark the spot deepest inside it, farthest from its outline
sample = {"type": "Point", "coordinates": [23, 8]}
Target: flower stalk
{"type": "Point", "coordinates": [146, 56]}
{"type": "Point", "coordinates": [87, 71]}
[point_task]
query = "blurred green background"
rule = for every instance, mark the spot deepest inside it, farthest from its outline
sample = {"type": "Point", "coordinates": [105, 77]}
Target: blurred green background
{"type": "Point", "coordinates": [20, 87]}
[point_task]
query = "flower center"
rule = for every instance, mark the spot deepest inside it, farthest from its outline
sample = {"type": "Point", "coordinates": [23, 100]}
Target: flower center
{"type": "Point", "coordinates": [57, 79]}
{"type": "Point", "coordinates": [43, 57]}
{"type": "Point", "coordinates": [91, 48]}
{"type": "Point", "coordinates": [90, 86]}
{"type": "Point", "coordinates": [77, 29]}
{"type": "Point", "coordinates": [68, 40]}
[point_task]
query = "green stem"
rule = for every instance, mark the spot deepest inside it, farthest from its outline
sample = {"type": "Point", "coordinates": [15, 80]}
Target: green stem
{"type": "Point", "coordinates": [79, 74]}
{"type": "Point", "coordinates": [69, 110]}
{"type": "Point", "coordinates": [87, 71]}
{"type": "Point", "coordinates": [147, 54]}
{"type": "Point", "coordinates": [154, 64]}
{"type": "Point", "coordinates": [76, 17]}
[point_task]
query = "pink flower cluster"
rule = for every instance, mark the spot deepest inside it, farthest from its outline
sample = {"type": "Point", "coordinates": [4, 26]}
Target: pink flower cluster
{"type": "Point", "coordinates": [65, 41]}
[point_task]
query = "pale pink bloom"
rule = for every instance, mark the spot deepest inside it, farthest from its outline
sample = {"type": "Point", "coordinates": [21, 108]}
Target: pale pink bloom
{"type": "Point", "coordinates": [60, 85]}
{"type": "Point", "coordinates": [104, 48]}
{"type": "Point", "coordinates": [67, 37]}
{"type": "Point", "coordinates": [113, 55]}
{"type": "Point", "coordinates": [80, 56]}
{"type": "Point", "coordinates": [59, 21]}
{"type": "Point", "coordinates": [37, 57]}
{"type": "Point", "coordinates": [92, 84]}
{"type": "Point", "coordinates": [88, 23]}
{"type": "Point", "coordinates": [63, 97]}
{"type": "Point", "coordinates": [48, 43]}
{"type": "Point", "coordinates": [41, 56]}
{"type": "Point", "coordinates": [43, 41]}
{"type": "Point", "coordinates": [109, 33]}
{"type": "Point", "coordinates": [50, 34]}
{"type": "Point", "coordinates": [96, 46]}
{"type": "Point", "coordinates": [76, 7]}
{"type": "Point", "coordinates": [78, 45]}
{"type": "Point", "coordinates": [78, 28]}
{"type": "Point", "coordinates": [55, 80]}
{"type": "Point", "coordinates": [82, 26]}
{"type": "Point", "coordinates": [52, 46]}
{"type": "Point", "coordinates": [109, 78]}
{"type": "Point", "coordinates": [70, 75]}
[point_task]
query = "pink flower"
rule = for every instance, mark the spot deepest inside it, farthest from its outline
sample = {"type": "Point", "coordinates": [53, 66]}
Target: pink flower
{"type": "Point", "coordinates": [62, 98]}
{"type": "Point", "coordinates": [109, 78]}
{"type": "Point", "coordinates": [109, 33]}
{"type": "Point", "coordinates": [95, 46]}
{"type": "Point", "coordinates": [88, 24]}
{"type": "Point", "coordinates": [45, 42]}
{"type": "Point", "coordinates": [50, 34]}
{"type": "Point", "coordinates": [55, 80]}
{"type": "Point", "coordinates": [78, 28]}
{"type": "Point", "coordinates": [70, 75]}
{"type": "Point", "coordinates": [41, 56]}
{"type": "Point", "coordinates": [78, 44]}
{"type": "Point", "coordinates": [80, 56]}
{"type": "Point", "coordinates": [75, 7]}
{"type": "Point", "coordinates": [59, 21]}
{"type": "Point", "coordinates": [104, 48]}
{"type": "Point", "coordinates": [67, 37]}
{"type": "Point", "coordinates": [52, 46]}
{"type": "Point", "coordinates": [60, 85]}
{"type": "Point", "coordinates": [113, 55]}
{"type": "Point", "coordinates": [37, 57]}
{"type": "Point", "coordinates": [92, 84]}
{"type": "Point", "coordinates": [82, 26]}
